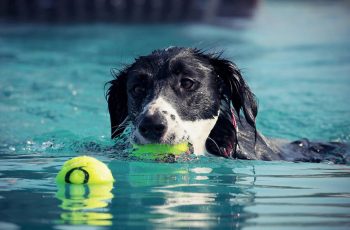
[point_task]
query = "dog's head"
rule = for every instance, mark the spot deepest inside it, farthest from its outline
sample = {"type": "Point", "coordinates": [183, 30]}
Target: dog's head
{"type": "Point", "coordinates": [181, 94]}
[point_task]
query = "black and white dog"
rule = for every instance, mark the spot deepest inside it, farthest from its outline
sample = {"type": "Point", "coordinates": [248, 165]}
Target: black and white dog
{"type": "Point", "coordinates": [183, 94]}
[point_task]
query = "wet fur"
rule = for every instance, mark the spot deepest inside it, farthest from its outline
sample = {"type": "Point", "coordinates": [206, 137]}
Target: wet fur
{"type": "Point", "coordinates": [228, 96]}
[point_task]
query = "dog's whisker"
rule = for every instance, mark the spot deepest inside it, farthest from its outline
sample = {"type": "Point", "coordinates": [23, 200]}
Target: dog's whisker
{"type": "Point", "coordinates": [117, 129]}
{"type": "Point", "coordinates": [121, 127]}
{"type": "Point", "coordinates": [114, 133]}
{"type": "Point", "coordinates": [217, 146]}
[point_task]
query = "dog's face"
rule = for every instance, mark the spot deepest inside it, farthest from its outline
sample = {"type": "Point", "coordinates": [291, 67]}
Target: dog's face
{"type": "Point", "coordinates": [171, 96]}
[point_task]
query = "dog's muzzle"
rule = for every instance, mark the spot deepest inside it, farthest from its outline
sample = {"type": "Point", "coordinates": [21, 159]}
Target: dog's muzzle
{"type": "Point", "coordinates": [153, 127]}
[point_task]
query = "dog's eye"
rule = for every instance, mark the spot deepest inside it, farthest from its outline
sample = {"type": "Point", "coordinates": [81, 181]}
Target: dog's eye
{"type": "Point", "coordinates": [187, 83]}
{"type": "Point", "coordinates": [177, 71]}
{"type": "Point", "coordinates": [138, 89]}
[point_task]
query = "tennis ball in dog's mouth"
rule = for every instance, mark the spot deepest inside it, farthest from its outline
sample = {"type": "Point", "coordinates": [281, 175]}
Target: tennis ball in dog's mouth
{"type": "Point", "coordinates": [84, 170]}
{"type": "Point", "coordinates": [156, 151]}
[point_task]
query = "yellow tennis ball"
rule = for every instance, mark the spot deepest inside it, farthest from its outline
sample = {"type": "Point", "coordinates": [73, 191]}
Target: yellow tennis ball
{"type": "Point", "coordinates": [84, 170]}
{"type": "Point", "coordinates": [157, 151]}
{"type": "Point", "coordinates": [77, 197]}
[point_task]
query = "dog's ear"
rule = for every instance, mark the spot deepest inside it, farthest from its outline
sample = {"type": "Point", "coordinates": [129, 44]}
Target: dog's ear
{"type": "Point", "coordinates": [235, 88]}
{"type": "Point", "coordinates": [222, 139]}
{"type": "Point", "coordinates": [117, 103]}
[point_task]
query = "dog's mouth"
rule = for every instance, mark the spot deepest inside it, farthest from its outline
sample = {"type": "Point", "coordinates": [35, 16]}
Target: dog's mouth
{"type": "Point", "coordinates": [190, 148]}
{"type": "Point", "coordinates": [163, 152]}
{"type": "Point", "coordinates": [170, 139]}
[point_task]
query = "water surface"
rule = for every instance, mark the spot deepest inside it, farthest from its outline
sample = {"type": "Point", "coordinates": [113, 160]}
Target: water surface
{"type": "Point", "coordinates": [294, 55]}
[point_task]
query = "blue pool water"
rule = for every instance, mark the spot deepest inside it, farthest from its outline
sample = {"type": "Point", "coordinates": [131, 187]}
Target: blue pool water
{"type": "Point", "coordinates": [295, 56]}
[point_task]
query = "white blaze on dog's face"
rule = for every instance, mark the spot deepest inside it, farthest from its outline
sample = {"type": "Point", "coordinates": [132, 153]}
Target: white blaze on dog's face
{"type": "Point", "coordinates": [173, 97]}
{"type": "Point", "coordinates": [178, 130]}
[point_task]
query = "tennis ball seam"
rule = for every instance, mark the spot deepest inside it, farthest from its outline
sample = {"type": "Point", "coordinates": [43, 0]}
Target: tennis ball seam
{"type": "Point", "coordinates": [69, 173]}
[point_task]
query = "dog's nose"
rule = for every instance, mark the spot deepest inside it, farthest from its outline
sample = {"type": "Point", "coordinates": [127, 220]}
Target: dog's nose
{"type": "Point", "coordinates": [153, 127]}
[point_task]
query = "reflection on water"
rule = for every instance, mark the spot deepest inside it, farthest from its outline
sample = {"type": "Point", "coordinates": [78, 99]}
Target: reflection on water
{"type": "Point", "coordinates": [204, 204]}
{"type": "Point", "coordinates": [179, 194]}
{"type": "Point", "coordinates": [85, 204]}
{"type": "Point", "coordinates": [210, 193]}
{"type": "Point", "coordinates": [218, 193]}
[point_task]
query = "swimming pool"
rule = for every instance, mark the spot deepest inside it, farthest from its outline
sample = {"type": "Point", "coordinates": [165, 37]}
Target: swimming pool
{"type": "Point", "coordinates": [295, 56]}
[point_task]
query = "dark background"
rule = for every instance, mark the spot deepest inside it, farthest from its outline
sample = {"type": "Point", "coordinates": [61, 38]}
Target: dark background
{"type": "Point", "coordinates": [130, 11]}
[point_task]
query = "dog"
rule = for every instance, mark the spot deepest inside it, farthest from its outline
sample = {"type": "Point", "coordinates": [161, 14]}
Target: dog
{"type": "Point", "coordinates": [183, 94]}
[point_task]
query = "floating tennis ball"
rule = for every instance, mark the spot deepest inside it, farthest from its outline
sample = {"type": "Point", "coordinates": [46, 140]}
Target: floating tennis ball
{"type": "Point", "coordinates": [158, 151]}
{"type": "Point", "coordinates": [79, 202]}
{"type": "Point", "coordinates": [77, 197]}
{"type": "Point", "coordinates": [84, 170]}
